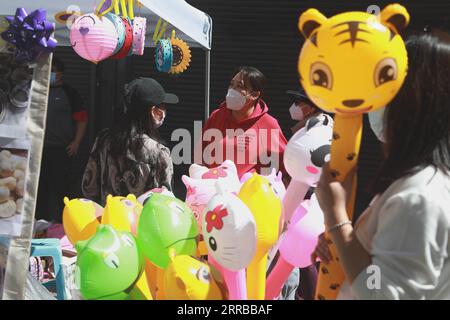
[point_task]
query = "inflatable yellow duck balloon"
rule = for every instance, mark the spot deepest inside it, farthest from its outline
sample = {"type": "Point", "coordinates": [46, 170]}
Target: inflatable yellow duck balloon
{"type": "Point", "coordinates": [80, 219]}
{"type": "Point", "coordinates": [122, 213]}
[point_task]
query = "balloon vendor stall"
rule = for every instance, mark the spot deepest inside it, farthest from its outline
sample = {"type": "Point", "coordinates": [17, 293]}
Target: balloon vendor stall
{"type": "Point", "coordinates": [217, 242]}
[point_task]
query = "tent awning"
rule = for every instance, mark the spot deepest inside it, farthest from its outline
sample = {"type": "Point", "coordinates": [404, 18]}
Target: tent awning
{"type": "Point", "coordinates": [189, 23]}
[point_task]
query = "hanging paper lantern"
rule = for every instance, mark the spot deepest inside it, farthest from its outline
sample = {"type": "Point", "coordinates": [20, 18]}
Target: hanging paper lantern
{"type": "Point", "coordinates": [181, 56]}
{"type": "Point", "coordinates": [30, 34]}
{"type": "Point", "coordinates": [128, 44]}
{"type": "Point", "coordinates": [92, 38]}
{"type": "Point", "coordinates": [120, 29]}
{"type": "Point", "coordinates": [139, 29]}
{"type": "Point", "coordinates": [163, 55]}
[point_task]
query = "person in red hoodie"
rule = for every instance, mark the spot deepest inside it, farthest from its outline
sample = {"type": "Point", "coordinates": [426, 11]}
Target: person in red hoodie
{"type": "Point", "coordinates": [242, 130]}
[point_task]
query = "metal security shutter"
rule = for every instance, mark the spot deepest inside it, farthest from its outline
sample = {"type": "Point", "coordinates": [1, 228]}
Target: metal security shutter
{"type": "Point", "coordinates": [80, 74]}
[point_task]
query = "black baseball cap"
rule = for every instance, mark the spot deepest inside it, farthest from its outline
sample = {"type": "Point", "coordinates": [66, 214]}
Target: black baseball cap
{"type": "Point", "coordinates": [299, 95]}
{"type": "Point", "coordinates": [148, 92]}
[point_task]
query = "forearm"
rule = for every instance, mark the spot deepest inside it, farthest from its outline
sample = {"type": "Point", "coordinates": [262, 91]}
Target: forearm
{"type": "Point", "coordinates": [80, 130]}
{"type": "Point", "coordinates": [353, 257]}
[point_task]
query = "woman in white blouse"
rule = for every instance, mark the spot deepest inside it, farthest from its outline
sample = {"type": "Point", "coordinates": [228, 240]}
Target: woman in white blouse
{"type": "Point", "coordinates": [403, 237]}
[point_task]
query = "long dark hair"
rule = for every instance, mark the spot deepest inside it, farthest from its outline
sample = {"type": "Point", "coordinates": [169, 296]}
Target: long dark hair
{"type": "Point", "coordinates": [126, 134]}
{"type": "Point", "coordinates": [417, 121]}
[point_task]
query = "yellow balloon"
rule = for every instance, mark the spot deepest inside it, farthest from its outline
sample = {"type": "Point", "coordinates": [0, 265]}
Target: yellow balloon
{"type": "Point", "coordinates": [187, 278]}
{"type": "Point", "coordinates": [258, 195]}
{"type": "Point", "coordinates": [80, 219]}
{"type": "Point", "coordinates": [353, 62]}
{"type": "Point", "coordinates": [122, 213]}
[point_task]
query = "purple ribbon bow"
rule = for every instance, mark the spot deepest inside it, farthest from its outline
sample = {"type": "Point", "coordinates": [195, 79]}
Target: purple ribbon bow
{"type": "Point", "coordinates": [30, 34]}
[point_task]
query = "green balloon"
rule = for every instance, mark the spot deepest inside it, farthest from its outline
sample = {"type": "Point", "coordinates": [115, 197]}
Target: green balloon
{"type": "Point", "coordinates": [166, 223]}
{"type": "Point", "coordinates": [108, 264]}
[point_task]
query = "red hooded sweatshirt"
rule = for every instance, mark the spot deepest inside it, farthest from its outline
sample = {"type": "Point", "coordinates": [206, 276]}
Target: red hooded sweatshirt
{"type": "Point", "coordinates": [253, 143]}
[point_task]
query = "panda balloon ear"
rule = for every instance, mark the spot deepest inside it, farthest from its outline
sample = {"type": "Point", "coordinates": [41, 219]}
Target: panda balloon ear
{"type": "Point", "coordinates": [309, 21]}
{"type": "Point", "coordinates": [396, 17]}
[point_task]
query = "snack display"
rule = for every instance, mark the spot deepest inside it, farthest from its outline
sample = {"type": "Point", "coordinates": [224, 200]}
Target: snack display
{"type": "Point", "coordinates": [12, 182]}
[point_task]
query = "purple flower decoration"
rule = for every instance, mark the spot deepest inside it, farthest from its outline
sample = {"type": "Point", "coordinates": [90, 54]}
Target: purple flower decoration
{"type": "Point", "coordinates": [30, 34]}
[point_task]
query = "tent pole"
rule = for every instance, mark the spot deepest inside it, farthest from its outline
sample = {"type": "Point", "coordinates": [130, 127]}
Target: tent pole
{"type": "Point", "coordinates": [207, 82]}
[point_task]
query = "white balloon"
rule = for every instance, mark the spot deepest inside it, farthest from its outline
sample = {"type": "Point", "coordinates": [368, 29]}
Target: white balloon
{"type": "Point", "coordinates": [306, 152]}
{"type": "Point", "coordinates": [229, 231]}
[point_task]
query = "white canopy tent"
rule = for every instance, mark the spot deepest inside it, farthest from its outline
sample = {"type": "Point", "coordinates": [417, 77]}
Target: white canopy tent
{"type": "Point", "coordinates": [189, 23]}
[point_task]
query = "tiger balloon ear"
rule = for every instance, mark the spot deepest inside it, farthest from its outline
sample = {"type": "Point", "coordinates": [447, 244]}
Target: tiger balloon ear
{"type": "Point", "coordinates": [395, 16]}
{"type": "Point", "coordinates": [309, 21]}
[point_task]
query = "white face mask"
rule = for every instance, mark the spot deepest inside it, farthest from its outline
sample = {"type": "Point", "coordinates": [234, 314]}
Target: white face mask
{"type": "Point", "coordinates": [235, 99]}
{"type": "Point", "coordinates": [296, 112]}
{"type": "Point", "coordinates": [159, 123]}
{"type": "Point", "coordinates": [377, 124]}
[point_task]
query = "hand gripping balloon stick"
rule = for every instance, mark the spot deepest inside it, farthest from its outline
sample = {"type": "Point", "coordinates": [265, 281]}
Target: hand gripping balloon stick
{"type": "Point", "coordinates": [258, 195]}
{"type": "Point", "coordinates": [296, 245]}
{"type": "Point", "coordinates": [351, 63]}
{"type": "Point", "coordinates": [229, 231]}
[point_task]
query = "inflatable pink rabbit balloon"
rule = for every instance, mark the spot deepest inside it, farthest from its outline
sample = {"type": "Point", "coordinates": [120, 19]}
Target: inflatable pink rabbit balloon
{"type": "Point", "coordinates": [93, 38]}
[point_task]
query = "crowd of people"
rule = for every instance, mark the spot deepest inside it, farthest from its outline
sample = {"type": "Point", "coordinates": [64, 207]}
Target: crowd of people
{"type": "Point", "coordinates": [404, 231]}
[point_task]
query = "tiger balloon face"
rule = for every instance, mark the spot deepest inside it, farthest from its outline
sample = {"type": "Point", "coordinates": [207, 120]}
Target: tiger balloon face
{"type": "Point", "coordinates": [353, 62]}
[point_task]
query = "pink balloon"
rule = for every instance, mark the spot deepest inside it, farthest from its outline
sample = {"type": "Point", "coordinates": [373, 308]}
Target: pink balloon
{"type": "Point", "coordinates": [302, 234]}
{"type": "Point", "coordinates": [296, 245]}
{"type": "Point", "coordinates": [201, 185]}
{"type": "Point", "coordinates": [277, 278]}
{"type": "Point", "coordinates": [235, 280]}
{"type": "Point", "coordinates": [295, 193]}
{"type": "Point", "coordinates": [92, 38]}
